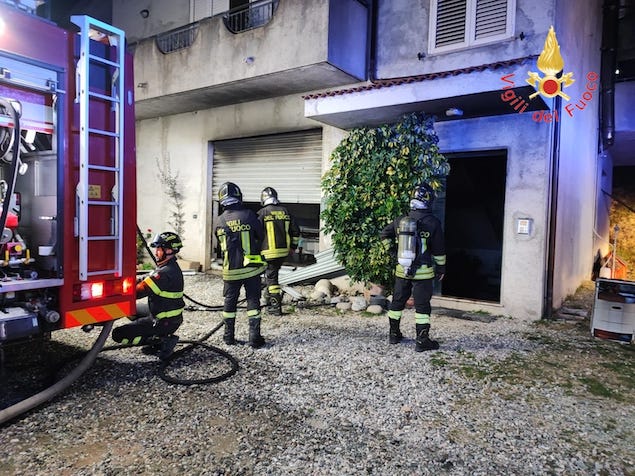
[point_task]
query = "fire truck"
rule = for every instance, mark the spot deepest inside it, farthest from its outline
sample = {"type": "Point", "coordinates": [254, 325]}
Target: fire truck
{"type": "Point", "coordinates": [67, 175]}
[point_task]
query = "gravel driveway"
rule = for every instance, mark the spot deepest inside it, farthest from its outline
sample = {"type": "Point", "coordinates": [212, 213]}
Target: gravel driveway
{"type": "Point", "coordinates": [329, 396]}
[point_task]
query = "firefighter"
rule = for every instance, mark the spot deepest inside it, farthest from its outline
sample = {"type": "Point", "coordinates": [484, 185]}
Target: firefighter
{"type": "Point", "coordinates": [281, 240]}
{"type": "Point", "coordinates": [240, 235]}
{"type": "Point", "coordinates": [164, 290]}
{"type": "Point", "coordinates": [421, 257]}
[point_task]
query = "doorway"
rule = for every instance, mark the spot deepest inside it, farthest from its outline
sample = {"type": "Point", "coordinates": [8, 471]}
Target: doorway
{"type": "Point", "coordinates": [474, 220]}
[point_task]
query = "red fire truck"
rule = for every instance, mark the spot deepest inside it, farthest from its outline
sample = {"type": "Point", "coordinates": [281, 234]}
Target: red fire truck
{"type": "Point", "coordinates": [67, 175]}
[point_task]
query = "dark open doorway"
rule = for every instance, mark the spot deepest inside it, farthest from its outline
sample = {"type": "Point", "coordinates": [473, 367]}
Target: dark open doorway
{"type": "Point", "coordinates": [474, 216]}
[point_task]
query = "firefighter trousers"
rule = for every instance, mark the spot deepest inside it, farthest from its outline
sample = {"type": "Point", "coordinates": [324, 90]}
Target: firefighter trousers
{"type": "Point", "coordinates": [231, 291]}
{"type": "Point", "coordinates": [138, 332]}
{"type": "Point", "coordinates": [421, 291]}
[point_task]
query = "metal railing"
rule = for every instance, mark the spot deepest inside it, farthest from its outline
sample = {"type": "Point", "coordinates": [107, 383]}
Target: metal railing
{"type": "Point", "coordinates": [248, 17]}
{"type": "Point", "coordinates": [177, 39]}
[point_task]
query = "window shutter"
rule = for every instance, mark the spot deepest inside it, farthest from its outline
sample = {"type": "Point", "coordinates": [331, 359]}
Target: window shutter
{"type": "Point", "coordinates": [450, 22]}
{"type": "Point", "coordinates": [200, 9]}
{"type": "Point", "coordinates": [491, 18]}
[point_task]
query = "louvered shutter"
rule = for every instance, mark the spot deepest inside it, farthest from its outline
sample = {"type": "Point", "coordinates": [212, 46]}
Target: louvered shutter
{"type": "Point", "coordinates": [291, 163]}
{"type": "Point", "coordinates": [200, 9]}
{"type": "Point", "coordinates": [451, 22]}
{"type": "Point", "coordinates": [491, 18]}
{"type": "Point", "coordinates": [456, 24]}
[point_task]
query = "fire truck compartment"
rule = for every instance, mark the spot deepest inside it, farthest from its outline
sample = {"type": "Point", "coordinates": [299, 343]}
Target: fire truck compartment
{"type": "Point", "coordinates": [17, 323]}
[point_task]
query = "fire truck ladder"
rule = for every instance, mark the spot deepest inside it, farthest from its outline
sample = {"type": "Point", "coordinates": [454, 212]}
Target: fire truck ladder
{"type": "Point", "coordinates": [95, 29]}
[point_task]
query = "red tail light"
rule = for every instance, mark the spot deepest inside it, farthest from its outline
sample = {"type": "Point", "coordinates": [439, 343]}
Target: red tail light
{"type": "Point", "coordinates": [128, 286]}
{"type": "Point", "coordinates": [103, 289]}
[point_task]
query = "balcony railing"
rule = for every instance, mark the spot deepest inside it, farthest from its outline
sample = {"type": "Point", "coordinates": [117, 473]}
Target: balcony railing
{"type": "Point", "coordinates": [248, 17]}
{"type": "Point", "coordinates": [177, 39]}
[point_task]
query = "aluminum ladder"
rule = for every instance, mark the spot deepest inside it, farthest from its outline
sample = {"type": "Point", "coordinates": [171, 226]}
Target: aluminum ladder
{"type": "Point", "coordinates": [91, 30]}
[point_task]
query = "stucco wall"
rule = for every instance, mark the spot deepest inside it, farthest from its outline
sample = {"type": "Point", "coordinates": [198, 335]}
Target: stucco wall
{"type": "Point", "coordinates": [579, 35]}
{"type": "Point", "coordinates": [182, 142]}
{"type": "Point", "coordinates": [526, 191]}
{"type": "Point", "coordinates": [399, 20]}
{"type": "Point", "coordinates": [163, 15]}
{"type": "Point", "coordinates": [219, 57]}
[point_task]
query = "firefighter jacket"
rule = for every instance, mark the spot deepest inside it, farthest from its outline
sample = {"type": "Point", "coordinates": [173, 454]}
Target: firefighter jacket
{"type": "Point", "coordinates": [430, 253]}
{"type": "Point", "coordinates": [164, 289]}
{"type": "Point", "coordinates": [240, 235]}
{"type": "Point", "coordinates": [281, 232]}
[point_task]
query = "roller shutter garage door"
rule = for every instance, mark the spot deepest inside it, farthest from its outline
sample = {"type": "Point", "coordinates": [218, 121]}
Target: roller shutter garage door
{"type": "Point", "coordinates": [291, 163]}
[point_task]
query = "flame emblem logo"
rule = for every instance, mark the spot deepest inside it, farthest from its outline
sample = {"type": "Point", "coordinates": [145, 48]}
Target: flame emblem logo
{"type": "Point", "coordinates": [550, 62]}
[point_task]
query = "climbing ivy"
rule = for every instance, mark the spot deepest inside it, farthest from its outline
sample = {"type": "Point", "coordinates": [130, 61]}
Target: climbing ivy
{"type": "Point", "coordinates": [372, 173]}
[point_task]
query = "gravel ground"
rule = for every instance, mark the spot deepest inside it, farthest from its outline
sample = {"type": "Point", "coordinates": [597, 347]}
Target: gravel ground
{"type": "Point", "coordinates": [329, 396]}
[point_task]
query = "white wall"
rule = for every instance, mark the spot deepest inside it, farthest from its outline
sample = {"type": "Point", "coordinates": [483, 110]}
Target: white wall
{"type": "Point", "coordinates": [579, 32]}
{"type": "Point", "coordinates": [527, 145]}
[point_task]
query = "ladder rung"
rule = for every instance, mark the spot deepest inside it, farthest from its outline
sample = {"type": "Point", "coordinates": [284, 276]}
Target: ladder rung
{"type": "Point", "coordinates": [103, 133]}
{"type": "Point", "coordinates": [103, 167]}
{"type": "Point", "coordinates": [103, 96]}
{"type": "Point", "coordinates": [105, 271]}
{"type": "Point", "coordinates": [102, 238]}
{"type": "Point", "coordinates": [98, 202]}
{"type": "Point", "coordinates": [103, 60]}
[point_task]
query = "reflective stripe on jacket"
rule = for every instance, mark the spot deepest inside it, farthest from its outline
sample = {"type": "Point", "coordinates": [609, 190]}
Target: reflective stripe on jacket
{"type": "Point", "coordinates": [281, 232]}
{"type": "Point", "coordinates": [164, 289]}
{"type": "Point", "coordinates": [239, 234]}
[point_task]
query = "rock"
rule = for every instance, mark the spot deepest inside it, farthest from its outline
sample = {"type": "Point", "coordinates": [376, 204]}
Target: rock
{"type": "Point", "coordinates": [318, 295]}
{"type": "Point", "coordinates": [345, 285]}
{"type": "Point", "coordinates": [343, 306]}
{"type": "Point", "coordinates": [358, 303]}
{"type": "Point", "coordinates": [325, 286]}
{"type": "Point", "coordinates": [375, 309]}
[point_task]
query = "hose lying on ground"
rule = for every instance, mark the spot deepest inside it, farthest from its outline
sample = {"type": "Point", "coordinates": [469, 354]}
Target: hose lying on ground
{"type": "Point", "coordinates": [58, 387]}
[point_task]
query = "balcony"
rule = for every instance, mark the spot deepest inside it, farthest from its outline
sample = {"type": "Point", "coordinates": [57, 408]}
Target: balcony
{"type": "Point", "coordinates": [259, 52]}
{"type": "Point", "coordinates": [251, 16]}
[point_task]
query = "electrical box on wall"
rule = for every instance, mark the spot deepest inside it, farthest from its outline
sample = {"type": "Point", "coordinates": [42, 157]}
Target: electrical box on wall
{"type": "Point", "coordinates": [524, 226]}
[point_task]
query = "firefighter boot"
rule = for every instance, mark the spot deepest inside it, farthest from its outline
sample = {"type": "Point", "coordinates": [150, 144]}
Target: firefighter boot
{"type": "Point", "coordinates": [395, 335]}
{"type": "Point", "coordinates": [275, 306]}
{"type": "Point", "coordinates": [255, 339]}
{"type": "Point", "coordinates": [228, 334]}
{"type": "Point", "coordinates": [152, 346]}
{"type": "Point", "coordinates": [168, 343]}
{"type": "Point", "coordinates": [423, 341]}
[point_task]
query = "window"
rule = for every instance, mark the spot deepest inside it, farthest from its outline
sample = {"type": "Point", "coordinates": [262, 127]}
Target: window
{"type": "Point", "coordinates": [457, 24]}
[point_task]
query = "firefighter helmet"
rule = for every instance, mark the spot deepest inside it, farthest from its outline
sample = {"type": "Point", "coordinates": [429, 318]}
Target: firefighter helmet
{"type": "Point", "coordinates": [269, 196]}
{"type": "Point", "coordinates": [422, 196]}
{"type": "Point", "coordinates": [167, 240]}
{"type": "Point", "coordinates": [229, 193]}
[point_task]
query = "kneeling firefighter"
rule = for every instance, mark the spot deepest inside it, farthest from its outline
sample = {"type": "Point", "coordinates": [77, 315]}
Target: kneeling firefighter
{"type": "Point", "coordinates": [164, 290]}
{"type": "Point", "coordinates": [421, 257]}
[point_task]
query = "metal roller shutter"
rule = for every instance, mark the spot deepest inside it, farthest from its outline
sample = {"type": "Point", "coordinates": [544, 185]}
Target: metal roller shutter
{"type": "Point", "coordinates": [291, 163]}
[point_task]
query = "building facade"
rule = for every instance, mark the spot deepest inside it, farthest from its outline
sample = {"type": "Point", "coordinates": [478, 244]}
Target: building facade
{"type": "Point", "coordinates": [261, 92]}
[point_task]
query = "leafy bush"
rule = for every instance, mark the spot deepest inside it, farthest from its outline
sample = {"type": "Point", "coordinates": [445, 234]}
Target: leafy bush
{"type": "Point", "coordinates": [373, 171]}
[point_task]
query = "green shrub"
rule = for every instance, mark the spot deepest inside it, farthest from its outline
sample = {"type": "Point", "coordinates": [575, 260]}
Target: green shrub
{"type": "Point", "coordinates": [373, 171]}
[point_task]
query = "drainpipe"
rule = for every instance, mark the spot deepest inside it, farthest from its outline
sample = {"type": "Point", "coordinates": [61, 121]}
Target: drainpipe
{"type": "Point", "coordinates": [553, 210]}
{"type": "Point", "coordinates": [610, 20]}
{"type": "Point", "coordinates": [371, 41]}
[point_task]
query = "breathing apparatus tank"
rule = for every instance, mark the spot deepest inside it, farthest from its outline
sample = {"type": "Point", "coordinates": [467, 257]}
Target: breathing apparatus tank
{"type": "Point", "coordinates": [407, 243]}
